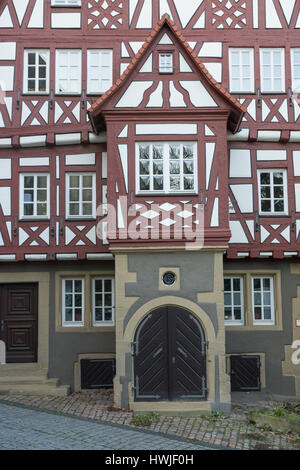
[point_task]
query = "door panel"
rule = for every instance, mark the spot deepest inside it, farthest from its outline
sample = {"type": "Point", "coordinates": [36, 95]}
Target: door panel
{"type": "Point", "coordinates": [170, 357]}
{"type": "Point", "coordinates": [151, 358]}
{"type": "Point", "coordinates": [188, 375]}
{"type": "Point", "coordinates": [18, 321]}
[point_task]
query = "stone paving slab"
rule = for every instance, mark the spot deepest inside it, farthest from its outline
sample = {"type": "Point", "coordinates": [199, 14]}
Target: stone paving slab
{"type": "Point", "coordinates": [233, 432]}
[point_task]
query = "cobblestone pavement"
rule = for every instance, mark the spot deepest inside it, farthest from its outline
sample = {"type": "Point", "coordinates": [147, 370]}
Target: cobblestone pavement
{"type": "Point", "coordinates": [28, 429]}
{"type": "Point", "coordinates": [233, 432]}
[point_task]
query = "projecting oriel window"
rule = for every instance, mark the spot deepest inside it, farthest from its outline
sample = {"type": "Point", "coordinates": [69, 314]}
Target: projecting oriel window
{"type": "Point", "coordinates": [34, 195]}
{"type": "Point", "coordinates": [165, 63]}
{"type": "Point", "coordinates": [36, 71]}
{"type": "Point", "coordinates": [80, 195]}
{"type": "Point", "coordinates": [272, 70]}
{"type": "Point", "coordinates": [263, 300]}
{"type": "Point", "coordinates": [273, 198]}
{"type": "Point", "coordinates": [68, 72]}
{"type": "Point", "coordinates": [73, 302]}
{"type": "Point", "coordinates": [103, 302]}
{"type": "Point", "coordinates": [166, 167]}
{"type": "Point", "coordinates": [99, 70]}
{"type": "Point", "coordinates": [241, 70]}
{"type": "Point", "coordinates": [233, 301]}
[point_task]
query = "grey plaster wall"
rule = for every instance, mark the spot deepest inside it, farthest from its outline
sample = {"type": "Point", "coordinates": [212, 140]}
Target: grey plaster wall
{"type": "Point", "coordinates": [196, 275]}
{"type": "Point", "coordinates": [269, 342]}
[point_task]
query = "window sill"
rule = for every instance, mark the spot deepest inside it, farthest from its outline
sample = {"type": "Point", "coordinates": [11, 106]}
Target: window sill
{"type": "Point", "coordinates": [274, 215]}
{"type": "Point", "coordinates": [34, 219]}
{"type": "Point", "coordinates": [92, 217]}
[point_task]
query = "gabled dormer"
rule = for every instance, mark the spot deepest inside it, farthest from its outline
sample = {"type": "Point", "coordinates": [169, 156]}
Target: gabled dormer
{"type": "Point", "coordinates": [167, 120]}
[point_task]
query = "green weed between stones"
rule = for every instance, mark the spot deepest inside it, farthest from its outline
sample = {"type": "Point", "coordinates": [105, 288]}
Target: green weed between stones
{"type": "Point", "coordinates": [145, 420]}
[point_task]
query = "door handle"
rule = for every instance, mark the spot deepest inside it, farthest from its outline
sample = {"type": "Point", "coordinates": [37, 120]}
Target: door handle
{"type": "Point", "coordinates": [2, 325]}
{"type": "Point", "coordinates": [173, 360]}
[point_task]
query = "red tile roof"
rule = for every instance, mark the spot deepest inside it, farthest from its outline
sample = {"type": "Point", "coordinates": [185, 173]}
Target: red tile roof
{"type": "Point", "coordinates": [95, 109]}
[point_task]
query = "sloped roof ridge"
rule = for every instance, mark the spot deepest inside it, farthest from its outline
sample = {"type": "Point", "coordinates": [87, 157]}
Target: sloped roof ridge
{"type": "Point", "coordinates": [166, 20]}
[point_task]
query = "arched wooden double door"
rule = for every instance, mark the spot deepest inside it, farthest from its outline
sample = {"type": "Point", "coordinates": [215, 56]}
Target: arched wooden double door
{"type": "Point", "coordinates": [170, 357]}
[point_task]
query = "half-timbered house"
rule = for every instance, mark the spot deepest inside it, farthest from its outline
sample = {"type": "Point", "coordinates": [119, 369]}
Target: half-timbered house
{"type": "Point", "coordinates": [150, 199]}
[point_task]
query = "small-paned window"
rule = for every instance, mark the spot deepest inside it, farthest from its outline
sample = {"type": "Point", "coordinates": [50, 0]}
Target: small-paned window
{"type": "Point", "coordinates": [272, 70]}
{"type": "Point", "coordinates": [241, 70]}
{"type": "Point", "coordinates": [81, 195]}
{"type": "Point", "coordinates": [165, 63]}
{"type": "Point", "coordinates": [273, 192]}
{"type": "Point", "coordinates": [103, 302]}
{"type": "Point", "coordinates": [36, 71]}
{"type": "Point", "coordinates": [73, 302]}
{"type": "Point", "coordinates": [66, 3]}
{"type": "Point", "coordinates": [34, 195]}
{"type": "Point", "coordinates": [68, 71]}
{"type": "Point", "coordinates": [99, 71]}
{"type": "Point", "coordinates": [166, 167]}
{"type": "Point", "coordinates": [233, 301]}
{"type": "Point", "coordinates": [263, 300]}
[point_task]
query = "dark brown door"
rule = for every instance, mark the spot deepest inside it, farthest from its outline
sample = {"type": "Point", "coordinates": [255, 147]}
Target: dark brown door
{"type": "Point", "coordinates": [170, 357]}
{"type": "Point", "coordinates": [18, 321]}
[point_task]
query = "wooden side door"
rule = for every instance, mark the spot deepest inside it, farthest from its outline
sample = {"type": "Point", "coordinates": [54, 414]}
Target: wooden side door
{"type": "Point", "coordinates": [188, 356]}
{"type": "Point", "coordinates": [19, 321]}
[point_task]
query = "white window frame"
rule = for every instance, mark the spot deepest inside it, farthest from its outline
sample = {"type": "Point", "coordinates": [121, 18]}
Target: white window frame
{"type": "Point", "coordinates": [102, 88]}
{"type": "Point", "coordinates": [242, 306]}
{"type": "Point", "coordinates": [166, 173]}
{"type": "Point", "coordinates": [295, 80]}
{"type": "Point", "coordinates": [241, 72]}
{"type": "Point", "coordinates": [273, 89]}
{"type": "Point", "coordinates": [25, 73]}
{"type": "Point", "coordinates": [68, 202]}
{"type": "Point", "coordinates": [103, 323]}
{"type": "Point", "coordinates": [57, 71]}
{"type": "Point", "coordinates": [164, 66]}
{"type": "Point", "coordinates": [72, 323]}
{"type": "Point", "coordinates": [272, 306]}
{"type": "Point", "coordinates": [272, 198]}
{"type": "Point", "coordinates": [66, 3]}
{"type": "Point", "coordinates": [22, 201]}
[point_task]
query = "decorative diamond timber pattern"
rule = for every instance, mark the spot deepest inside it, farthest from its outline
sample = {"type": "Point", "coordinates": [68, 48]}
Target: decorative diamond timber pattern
{"type": "Point", "coordinates": [230, 13]}
{"type": "Point", "coordinates": [105, 14]}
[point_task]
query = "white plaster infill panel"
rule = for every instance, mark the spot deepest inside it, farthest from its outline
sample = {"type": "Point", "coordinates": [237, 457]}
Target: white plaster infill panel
{"type": "Point", "coordinates": [243, 194]}
{"type": "Point", "coordinates": [297, 196]}
{"type": "Point", "coordinates": [7, 73]}
{"type": "Point", "coordinates": [81, 159]}
{"type": "Point", "coordinates": [169, 129]}
{"type": "Point", "coordinates": [215, 69]}
{"type": "Point", "coordinates": [240, 163]}
{"type": "Point", "coordinates": [33, 141]}
{"type": "Point", "coordinates": [199, 95]}
{"type": "Point", "coordinates": [7, 51]}
{"type": "Point", "coordinates": [66, 20]}
{"type": "Point", "coordinates": [5, 165]}
{"type": "Point", "coordinates": [271, 155]}
{"type": "Point", "coordinates": [237, 233]}
{"type": "Point", "coordinates": [296, 160]}
{"type": "Point", "coordinates": [5, 200]}
{"type": "Point", "coordinates": [211, 49]}
{"type": "Point", "coordinates": [35, 161]}
{"type": "Point", "coordinates": [134, 94]}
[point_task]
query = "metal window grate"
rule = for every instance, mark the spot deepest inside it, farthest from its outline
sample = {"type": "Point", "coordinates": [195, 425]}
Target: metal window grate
{"type": "Point", "coordinates": [97, 373]}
